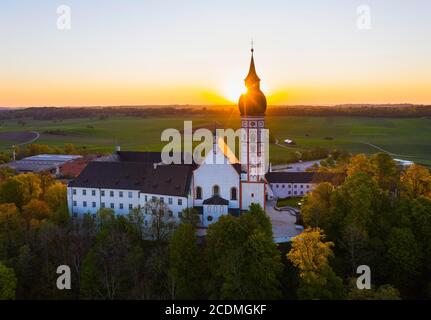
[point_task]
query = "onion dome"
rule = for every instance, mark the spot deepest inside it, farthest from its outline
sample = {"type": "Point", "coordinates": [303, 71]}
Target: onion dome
{"type": "Point", "coordinates": [252, 103]}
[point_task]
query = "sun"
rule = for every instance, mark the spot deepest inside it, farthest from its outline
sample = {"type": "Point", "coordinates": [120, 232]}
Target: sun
{"type": "Point", "coordinates": [233, 89]}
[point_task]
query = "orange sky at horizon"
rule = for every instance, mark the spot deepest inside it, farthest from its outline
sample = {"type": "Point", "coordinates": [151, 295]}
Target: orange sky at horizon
{"type": "Point", "coordinates": [175, 53]}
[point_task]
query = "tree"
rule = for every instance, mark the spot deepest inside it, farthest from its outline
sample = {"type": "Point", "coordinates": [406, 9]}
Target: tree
{"type": "Point", "coordinates": [8, 283]}
{"type": "Point", "coordinates": [385, 170]}
{"type": "Point", "coordinates": [10, 229]}
{"type": "Point", "coordinates": [56, 198]}
{"type": "Point", "coordinates": [416, 181]}
{"type": "Point", "coordinates": [359, 164]}
{"type": "Point", "coordinates": [310, 254]}
{"type": "Point", "coordinates": [191, 215]}
{"type": "Point", "coordinates": [356, 209]}
{"type": "Point", "coordinates": [404, 257]}
{"type": "Point", "coordinates": [243, 260]}
{"type": "Point", "coordinates": [20, 189]}
{"type": "Point", "coordinates": [104, 273]}
{"type": "Point", "coordinates": [162, 222]}
{"type": "Point", "coordinates": [35, 210]}
{"type": "Point", "coordinates": [316, 205]}
{"type": "Point", "coordinates": [383, 292]}
{"type": "Point", "coordinates": [186, 263]}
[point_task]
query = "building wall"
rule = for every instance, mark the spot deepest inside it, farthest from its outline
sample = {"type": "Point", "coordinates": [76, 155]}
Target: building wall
{"type": "Point", "coordinates": [287, 190]}
{"type": "Point", "coordinates": [90, 201]}
{"type": "Point", "coordinates": [214, 212]}
{"type": "Point", "coordinates": [252, 192]}
{"type": "Point", "coordinates": [223, 175]}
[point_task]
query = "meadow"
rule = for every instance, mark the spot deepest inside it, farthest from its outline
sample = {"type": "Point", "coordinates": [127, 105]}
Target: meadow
{"type": "Point", "coordinates": [406, 138]}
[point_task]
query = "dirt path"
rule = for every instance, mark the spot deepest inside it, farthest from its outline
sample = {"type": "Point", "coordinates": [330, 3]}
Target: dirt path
{"type": "Point", "coordinates": [383, 150]}
{"type": "Point", "coordinates": [37, 136]}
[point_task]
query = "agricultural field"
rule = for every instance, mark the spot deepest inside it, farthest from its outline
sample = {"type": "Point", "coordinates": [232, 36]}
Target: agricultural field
{"type": "Point", "coordinates": [404, 138]}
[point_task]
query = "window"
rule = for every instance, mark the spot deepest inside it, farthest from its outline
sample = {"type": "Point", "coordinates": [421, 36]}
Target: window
{"type": "Point", "coordinates": [93, 204]}
{"type": "Point", "coordinates": [216, 190]}
{"type": "Point", "coordinates": [162, 200]}
{"type": "Point", "coordinates": [308, 186]}
{"type": "Point", "coordinates": [74, 203]}
{"type": "Point", "coordinates": [233, 194]}
{"type": "Point", "coordinates": [93, 192]}
{"type": "Point", "coordinates": [302, 186]}
{"type": "Point", "coordinates": [198, 193]}
{"type": "Point", "coordinates": [121, 194]}
{"type": "Point", "coordinates": [180, 215]}
{"type": "Point", "coordinates": [111, 193]}
{"type": "Point", "coordinates": [295, 186]}
{"type": "Point", "coordinates": [153, 198]}
{"type": "Point", "coordinates": [130, 206]}
{"type": "Point", "coordinates": [102, 204]}
{"type": "Point", "coordinates": [283, 186]}
{"type": "Point", "coordinates": [84, 192]}
{"type": "Point", "coordinates": [121, 206]}
{"type": "Point", "coordinates": [252, 195]}
{"type": "Point", "coordinates": [102, 193]}
{"type": "Point", "coordinates": [84, 204]}
{"type": "Point", "coordinates": [180, 202]}
{"type": "Point", "coordinates": [290, 186]}
{"type": "Point", "coordinates": [170, 200]}
{"type": "Point", "coordinates": [146, 223]}
{"type": "Point", "coordinates": [146, 198]}
{"type": "Point", "coordinates": [171, 214]}
{"type": "Point", "coordinates": [276, 186]}
{"type": "Point", "coordinates": [210, 218]}
{"type": "Point", "coordinates": [74, 191]}
{"type": "Point", "coordinates": [130, 194]}
{"type": "Point", "coordinates": [112, 206]}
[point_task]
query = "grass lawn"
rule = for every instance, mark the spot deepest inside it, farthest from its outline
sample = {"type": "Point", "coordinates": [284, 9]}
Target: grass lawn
{"type": "Point", "coordinates": [404, 138]}
{"type": "Point", "coordinates": [290, 202]}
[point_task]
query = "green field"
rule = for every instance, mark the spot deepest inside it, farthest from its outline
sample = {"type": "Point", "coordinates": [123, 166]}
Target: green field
{"type": "Point", "coordinates": [404, 138]}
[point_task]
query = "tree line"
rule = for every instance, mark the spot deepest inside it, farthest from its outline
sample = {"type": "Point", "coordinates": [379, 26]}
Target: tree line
{"type": "Point", "coordinates": [102, 113]}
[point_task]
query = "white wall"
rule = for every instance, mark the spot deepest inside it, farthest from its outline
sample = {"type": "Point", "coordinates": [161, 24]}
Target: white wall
{"type": "Point", "coordinates": [214, 211]}
{"type": "Point", "coordinates": [252, 193]}
{"type": "Point", "coordinates": [285, 190]}
{"type": "Point", "coordinates": [223, 175]}
{"type": "Point", "coordinates": [137, 199]}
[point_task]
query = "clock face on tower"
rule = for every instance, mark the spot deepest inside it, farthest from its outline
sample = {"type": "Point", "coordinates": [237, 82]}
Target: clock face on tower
{"type": "Point", "coordinates": [261, 124]}
{"type": "Point", "coordinates": [253, 124]}
{"type": "Point", "coordinates": [244, 123]}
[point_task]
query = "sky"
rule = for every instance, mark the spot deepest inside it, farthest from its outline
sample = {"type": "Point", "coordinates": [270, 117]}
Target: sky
{"type": "Point", "coordinates": [198, 52]}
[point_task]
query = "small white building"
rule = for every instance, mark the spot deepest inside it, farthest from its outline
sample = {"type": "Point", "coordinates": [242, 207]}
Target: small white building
{"type": "Point", "coordinates": [297, 184]}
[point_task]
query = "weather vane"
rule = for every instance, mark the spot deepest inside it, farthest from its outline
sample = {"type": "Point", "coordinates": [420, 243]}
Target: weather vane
{"type": "Point", "coordinates": [252, 45]}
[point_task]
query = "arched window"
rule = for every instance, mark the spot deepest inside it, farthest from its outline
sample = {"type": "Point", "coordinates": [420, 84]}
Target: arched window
{"type": "Point", "coordinates": [198, 193]}
{"type": "Point", "coordinates": [216, 190]}
{"type": "Point", "coordinates": [233, 194]}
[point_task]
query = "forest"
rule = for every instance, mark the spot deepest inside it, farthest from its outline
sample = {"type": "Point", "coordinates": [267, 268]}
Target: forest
{"type": "Point", "coordinates": [380, 216]}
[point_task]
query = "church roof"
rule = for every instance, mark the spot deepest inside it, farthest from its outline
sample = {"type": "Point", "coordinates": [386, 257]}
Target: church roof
{"type": "Point", "coordinates": [171, 180]}
{"type": "Point", "coordinates": [216, 200]}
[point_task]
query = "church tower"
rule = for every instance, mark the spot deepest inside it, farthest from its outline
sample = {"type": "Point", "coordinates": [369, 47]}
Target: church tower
{"type": "Point", "coordinates": [253, 151]}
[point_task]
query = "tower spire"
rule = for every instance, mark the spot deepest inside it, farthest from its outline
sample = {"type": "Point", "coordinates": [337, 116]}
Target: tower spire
{"type": "Point", "coordinates": [252, 80]}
